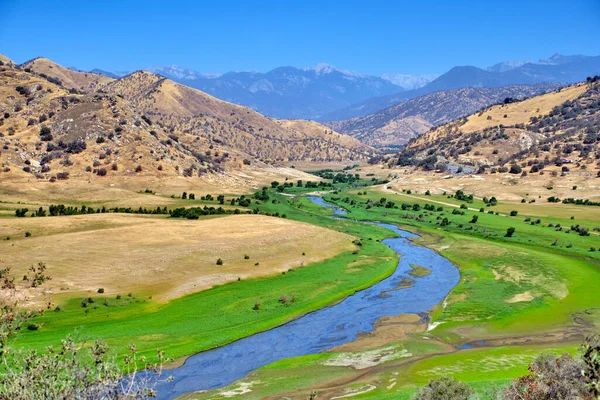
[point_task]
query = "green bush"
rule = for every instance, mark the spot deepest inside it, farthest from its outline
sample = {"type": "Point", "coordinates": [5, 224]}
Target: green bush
{"type": "Point", "coordinates": [444, 388]}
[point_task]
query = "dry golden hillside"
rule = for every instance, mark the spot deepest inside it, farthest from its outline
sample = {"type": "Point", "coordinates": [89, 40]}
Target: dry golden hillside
{"type": "Point", "coordinates": [85, 81]}
{"type": "Point", "coordinates": [394, 126]}
{"type": "Point", "coordinates": [520, 112]}
{"type": "Point", "coordinates": [48, 133]}
{"type": "Point", "coordinates": [6, 60]}
{"type": "Point", "coordinates": [183, 110]}
{"type": "Point", "coordinates": [317, 130]}
{"type": "Point", "coordinates": [557, 131]}
{"type": "Point", "coordinates": [143, 125]}
{"type": "Point", "coordinates": [503, 114]}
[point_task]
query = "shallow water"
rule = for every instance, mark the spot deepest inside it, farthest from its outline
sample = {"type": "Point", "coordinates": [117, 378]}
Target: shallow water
{"type": "Point", "coordinates": [323, 329]}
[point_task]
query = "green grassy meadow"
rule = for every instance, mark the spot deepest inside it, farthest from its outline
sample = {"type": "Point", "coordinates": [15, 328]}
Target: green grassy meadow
{"type": "Point", "coordinates": [525, 285]}
{"type": "Point", "coordinates": [511, 288]}
{"type": "Point", "coordinates": [225, 313]}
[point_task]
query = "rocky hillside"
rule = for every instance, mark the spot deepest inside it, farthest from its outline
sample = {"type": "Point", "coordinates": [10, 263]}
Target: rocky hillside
{"type": "Point", "coordinates": [396, 125]}
{"type": "Point", "coordinates": [80, 126]}
{"type": "Point", "coordinates": [81, 81]}
{"type": "Point", "coordinates": [555, 132]}
{"type": "Point", "coordinates": [179, 108]}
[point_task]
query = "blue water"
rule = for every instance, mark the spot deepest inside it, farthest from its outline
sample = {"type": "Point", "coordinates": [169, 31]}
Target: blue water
{"type": "Point", "coordinates": [325, 328]}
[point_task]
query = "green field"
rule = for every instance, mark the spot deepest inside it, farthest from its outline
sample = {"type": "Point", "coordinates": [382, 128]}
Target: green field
{"type": "Point", "coordinates": [518, 290]}
{"type": "Point", "coordinates": [520, 294]}
{"type": "Point", "coordinates": [225, 313]}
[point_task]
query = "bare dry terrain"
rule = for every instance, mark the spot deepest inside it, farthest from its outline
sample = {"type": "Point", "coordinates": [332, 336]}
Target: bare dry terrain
{"type": "Point", "coordinates": [157, 256]}
{"type": "Point", "coordinates": [58, 124]}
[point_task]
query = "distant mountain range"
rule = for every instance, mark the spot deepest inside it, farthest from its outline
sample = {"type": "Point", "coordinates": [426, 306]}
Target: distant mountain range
{"type": "Point", "coordinates": [410, 82]}
{"type": "Point", "coordinates": [556, 69]}
{"type": "Point", "coordinates": [286, 92]}
{"type": "Point", "coordinates": [327, 93]}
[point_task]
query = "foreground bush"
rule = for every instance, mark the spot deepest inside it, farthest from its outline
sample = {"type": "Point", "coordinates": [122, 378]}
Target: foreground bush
{"type": "Point", "coordinates": [444, 388]}
{"type": "Point", "coordinates": [550, 377]}
{"type": "Point", "coordinates": [71, 371]}
{"type": "Point", "coordinates": [561, 377]}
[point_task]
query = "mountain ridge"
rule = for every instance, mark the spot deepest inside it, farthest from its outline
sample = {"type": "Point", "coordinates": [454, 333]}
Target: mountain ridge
{"type": "Point", "coordinates": [560, 69]}
{"type": "Point", "coordinates": [396, 125]}
{"type": "Point", "coordinates": [542, 133]}
{"type": "Point", "coordinates": [143, 124]}
{"type": "Point", "coordinates": [288, 92]}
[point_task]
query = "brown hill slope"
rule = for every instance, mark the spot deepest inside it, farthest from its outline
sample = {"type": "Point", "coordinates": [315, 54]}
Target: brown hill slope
{"type": "Point", "coordinates": [85, 81]}
{"type": "Point", "coordinates": [398, 124]}
{"type": "Point", "coordinates": [544, 132]}
{"type": "Point", "coordinates": [179, 108]}
{"type": "Point", "coordinates": [5, 60]}
{"type": "Point", "coordinates": [155, 128]}
{"type": "Point", "coordinates": [49, 133]}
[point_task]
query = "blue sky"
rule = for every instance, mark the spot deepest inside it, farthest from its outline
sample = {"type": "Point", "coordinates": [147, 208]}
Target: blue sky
{"type": "Point", "coordinates": [370, 37]}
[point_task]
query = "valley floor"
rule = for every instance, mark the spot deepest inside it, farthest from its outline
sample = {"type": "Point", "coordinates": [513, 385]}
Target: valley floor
{"type": "Point", "coordinates": [518, 296]}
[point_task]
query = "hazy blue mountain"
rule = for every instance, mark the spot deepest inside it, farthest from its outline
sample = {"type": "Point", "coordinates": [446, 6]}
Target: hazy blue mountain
{"type": "Point", "coordinates": [287, 92]}
{"type": "Point", "coordinates": [176, 72]}
{"type": "Point", "coordinates": [506, 66]}
{"type": "Point", "coordinates": [105, 73]}
{"type": "Point", "coordinates": [409, 82]}
{"type": "Point", "coordinates": [556, 69]}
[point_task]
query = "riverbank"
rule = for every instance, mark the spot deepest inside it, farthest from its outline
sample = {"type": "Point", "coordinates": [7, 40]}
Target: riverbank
{"type": "Point", "coordinates": [326, 328]}
{"type": "Point", "coordinates": [225, 313]}
{"type": "Point", "coordinates": [486, 331]}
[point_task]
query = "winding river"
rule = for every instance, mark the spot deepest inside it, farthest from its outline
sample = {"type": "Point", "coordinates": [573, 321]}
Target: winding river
{"type": "Point", "coordinates": [323, 329]}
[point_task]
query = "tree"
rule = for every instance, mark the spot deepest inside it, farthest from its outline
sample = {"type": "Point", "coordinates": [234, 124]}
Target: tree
{"type": "Point", "coordinates": [45, 134]}
{"type": "Point", "coordinates": [515, 169]}
{"type": "Point", "coordinates": [474, 219]}
{"type": "Point", "coordinates": [21, 212]}
{"type": "Point", "coordinates": [510, 231]}
{"type": "Point", "coordinates": [445, 388]}
{"type": "Point", "coordinates": [219, 261]}
{"type": "Point", "coordinates": [184, 195]}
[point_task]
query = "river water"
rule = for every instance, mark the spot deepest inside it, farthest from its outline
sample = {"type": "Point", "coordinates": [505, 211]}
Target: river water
{"type": "Point", "coordinates": [325, 328]}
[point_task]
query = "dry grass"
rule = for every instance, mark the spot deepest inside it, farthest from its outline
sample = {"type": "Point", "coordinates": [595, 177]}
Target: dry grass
{"type": "Point", "coordinates": [70, 78]}
{"type": "Point", "coordinates": [5, 59]}
{"type": "Point", "coordinates": [159, 256]}
{"type": "Point", "coordinates": [508, 187]}
{"type": "Point", "coordinates": [316, 130]}
{"type": "Point", "coordinates": [122, 191]}
{"type": "Point", "coordinates": [521, 112]}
